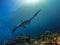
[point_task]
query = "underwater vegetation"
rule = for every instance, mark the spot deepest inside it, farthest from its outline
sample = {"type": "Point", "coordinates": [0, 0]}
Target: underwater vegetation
{"type": "Point", "coordinates": [47, 38]}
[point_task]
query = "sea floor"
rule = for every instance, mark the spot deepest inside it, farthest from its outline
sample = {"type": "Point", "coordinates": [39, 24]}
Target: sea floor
{"type": "Point", "coordinates": [47, 38]}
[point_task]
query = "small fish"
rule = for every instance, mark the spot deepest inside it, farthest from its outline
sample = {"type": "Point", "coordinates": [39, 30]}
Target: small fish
{"type": "Point", "coordinates": [24, 23]}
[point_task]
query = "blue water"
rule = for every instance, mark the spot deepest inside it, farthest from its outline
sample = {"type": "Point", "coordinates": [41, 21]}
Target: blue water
{"type": "Point", "coordinates": [12, 13]}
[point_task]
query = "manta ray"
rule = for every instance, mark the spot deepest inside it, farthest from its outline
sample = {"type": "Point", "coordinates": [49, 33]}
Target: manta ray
{"type": "Point", "coordinates": [24, 23]}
